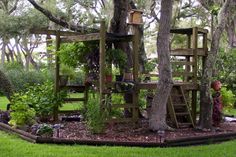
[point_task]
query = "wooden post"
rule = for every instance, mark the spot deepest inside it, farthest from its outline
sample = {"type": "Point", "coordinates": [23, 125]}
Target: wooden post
{"type": "Point", "coordinates": [205, 50]}
{"type": "Point", "coordinates": [188, 67]}
{"type": "Point", "coordinates": [102, 61]}
{"type": "Point", "coordinates": [195, 70]}
{"type": "Point", "coordinates": [135, 71]}
{"type": "Point", "coordinates": [57, 86]}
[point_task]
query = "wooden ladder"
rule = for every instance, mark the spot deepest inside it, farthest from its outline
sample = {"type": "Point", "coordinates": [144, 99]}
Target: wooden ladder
{"type": "Point", "coordinates": [178, 108]}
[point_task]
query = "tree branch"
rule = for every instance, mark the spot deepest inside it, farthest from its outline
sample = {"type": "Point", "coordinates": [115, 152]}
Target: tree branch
{"type": "Point", "coordinates": [61, 21]}
{"type": "Point", "coordinates": [14, 7]}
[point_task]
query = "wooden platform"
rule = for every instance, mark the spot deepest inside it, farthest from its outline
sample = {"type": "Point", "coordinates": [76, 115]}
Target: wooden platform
{"type": "Point", "coordinates": [153, 85]}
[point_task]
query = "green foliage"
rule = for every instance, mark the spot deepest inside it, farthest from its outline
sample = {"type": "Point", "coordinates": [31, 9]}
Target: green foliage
{"type": "Point", "coordinates": [117, 57]}
{"type": "Point", "coordinates": [23, 114]}
{"type": "Point", "coordinates": [73, 54]}
{"type": "Point", "coordinates": [228, 98]}
{"type": "Point", "coordinates": [95, 118]}
{"type": "Point", "coordinates": [150, 65]}
{"type": "Point", "coordinates": [21, 78]}
{"type": "Point", "coordinates": [41, 98]}
{"type": "Point", "coordinates": [68, 71]}
{"type": "Point", "coordinates": [225, 69]}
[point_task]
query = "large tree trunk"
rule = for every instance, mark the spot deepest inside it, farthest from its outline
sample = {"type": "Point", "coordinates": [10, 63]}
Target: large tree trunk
{"type": "Point", "coordinates": [157, 120]}
{"type": "Point", "coordinates": [205, 121]}
{"type": "Point", "coordinates": [119, 26]}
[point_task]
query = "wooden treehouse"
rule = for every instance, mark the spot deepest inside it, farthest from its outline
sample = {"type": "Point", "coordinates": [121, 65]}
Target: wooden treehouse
{"type": "Point", "coordinates": [183, 99]}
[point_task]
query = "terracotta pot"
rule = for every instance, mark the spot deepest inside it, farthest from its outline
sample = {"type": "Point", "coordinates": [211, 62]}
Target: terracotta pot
{"type": "Point", "coordinates": [108, 78]}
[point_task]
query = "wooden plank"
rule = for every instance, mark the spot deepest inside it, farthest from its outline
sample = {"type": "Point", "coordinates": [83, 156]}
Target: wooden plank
{"type": "Point", "coordinates": [187, 52]}
{"type": "Point", "coordinates": [123, 106]}
{"type": "Point", "coordinates": [76, 88]}
{"type": "Point", "coordinates": [182, 63]}
{"type": "Point", "coordinates": [73, 99]}
{"type": "Point", "coordinates": [53, 32]}
{"type": "Point", "coordinates": [178, 74]}
{"type": "Point", "coordinates": [78, 38]}
{"type": "Point", "coordinates": [153, 85]}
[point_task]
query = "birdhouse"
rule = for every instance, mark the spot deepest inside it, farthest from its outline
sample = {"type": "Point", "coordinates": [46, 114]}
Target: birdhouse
{"type": "Point", "coordinates": [135, 16]}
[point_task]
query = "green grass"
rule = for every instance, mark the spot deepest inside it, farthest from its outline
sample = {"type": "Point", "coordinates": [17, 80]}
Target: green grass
{"type": "Point", "coordinates": [11, 146]}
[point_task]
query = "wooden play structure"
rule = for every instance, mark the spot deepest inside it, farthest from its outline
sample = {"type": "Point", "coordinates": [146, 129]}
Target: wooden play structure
{"type": "Point", "coordinates": [183, 99]}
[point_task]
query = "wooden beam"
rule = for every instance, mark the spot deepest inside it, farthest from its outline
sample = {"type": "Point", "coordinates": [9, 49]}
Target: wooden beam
{"type": "Point", "coordinates": [188, 52]}
{"type": "Point", "coordinates": [78, 38]}
{"type": "Point", "coordinates": [183, 63]}
{"type": "Point", "coordinates": [153, 85]}
{"type": "Point", "coordinates": [53, 32]}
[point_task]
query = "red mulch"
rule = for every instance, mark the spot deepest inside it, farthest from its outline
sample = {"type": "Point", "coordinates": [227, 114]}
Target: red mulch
{"type": "Point", "coordinates": [139, 133]}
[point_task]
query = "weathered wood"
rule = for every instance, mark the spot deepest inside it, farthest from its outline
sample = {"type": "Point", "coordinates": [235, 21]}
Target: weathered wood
{"type": "Point", "coordinates": [102, 50]}
{"type": "Point", "coordinates": [178, 74]}
{"type": "Point", "coordinates": [57, 88]}
{"type": "Point", "coordinates": [73, 99]}
{"type": "Point", "coordinates": [76, 88]}
{"type": "Point", "coordinates": [153, 85]}
{"type": "Point", "coordinates": [135, 93]}
{"type": "Point", "coordinates": [188, 31]}
{"type": "Point", "coordinates": [171, 112]}
{"type": "Point", "coordinates": [53, 32]}
{"type": "Point", "coordinates": [183, 63]}
{"type": "Point", "coordinates": [188, 52]}
{"type": "Point", "coordinates": [195, 70]}
{"type": "Point", "coordinates": [78, 38]}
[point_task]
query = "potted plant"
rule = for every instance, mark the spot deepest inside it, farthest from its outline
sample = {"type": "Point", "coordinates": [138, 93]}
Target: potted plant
{"type": "Point", "coordinates": [108, 74]}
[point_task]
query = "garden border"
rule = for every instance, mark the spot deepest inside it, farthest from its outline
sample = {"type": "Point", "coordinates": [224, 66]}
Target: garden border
{"type": "Point", "coordinates": [167, 143]}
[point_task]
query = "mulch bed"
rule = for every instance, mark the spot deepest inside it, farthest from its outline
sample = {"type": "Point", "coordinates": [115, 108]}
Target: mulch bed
{"type": "Point", "coordinates": [125, 132]}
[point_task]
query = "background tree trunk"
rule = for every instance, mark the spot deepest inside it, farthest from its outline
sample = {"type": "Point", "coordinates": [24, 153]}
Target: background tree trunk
{"type": "Point", "coordinates": [205, 121]}
{"type": "Point", "coordinates": [157, 120]}
{"type": "Point", "coordinates": [119, 26]}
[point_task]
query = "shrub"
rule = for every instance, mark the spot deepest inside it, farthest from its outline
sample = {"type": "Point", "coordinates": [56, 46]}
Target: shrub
{"type": "Point", "coordinates": [21, 78]}
{"type": "Point", "coordinates": [95, 118]}
{"type": "Point", "coordinates": [41, 98]}
{"type": "Point", "coordinates": [22, 114]}
{"type": "Point", "coordinates": [228, 98]}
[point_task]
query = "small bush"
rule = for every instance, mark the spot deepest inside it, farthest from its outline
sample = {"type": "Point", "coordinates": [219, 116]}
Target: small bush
{"type": "Point", "coordinates": [95, 118]}
{"type": "Point", "coordinates": [228, 98]}
{"type": "Point", "coordinates": [22, 114]}
{"type": "Point", "coordinates": [40, 98]}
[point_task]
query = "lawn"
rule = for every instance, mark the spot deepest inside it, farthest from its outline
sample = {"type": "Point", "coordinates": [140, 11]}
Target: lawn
{"type": "Point", "coordinates": [11, 146]}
